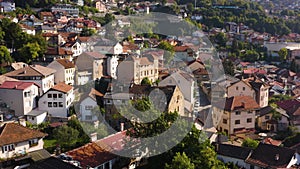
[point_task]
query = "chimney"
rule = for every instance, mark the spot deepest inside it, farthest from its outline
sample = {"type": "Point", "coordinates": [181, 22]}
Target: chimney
{"type": "Point", "coordinates": [122, 126]}
{"type": "Point", "coordinates": [93, 137]}
{"type": "Point", "coordinates": [243, 104]}
{"type": "Point", "coordinates": [22, 122]}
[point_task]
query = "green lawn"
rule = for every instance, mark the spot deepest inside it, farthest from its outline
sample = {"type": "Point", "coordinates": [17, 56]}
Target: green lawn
{"type": "Point", "coordinates": [50, 145]}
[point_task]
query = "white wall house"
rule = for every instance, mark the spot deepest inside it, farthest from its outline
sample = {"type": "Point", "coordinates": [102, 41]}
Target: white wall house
{"type": "Point", "coordinates": [36, 116]}
{"type": "Point", "coordinates": [20, 96]}
{"type": "Point", "coordinates": [57, 100]}
{"type": "Point", "coordinates": [89, 63]}
{"type": "Point", "coordinates": [41, 75]}
{"type": "Point", "coordinates": [184, 81]}
{"type": "Point", "coordinates": [87, 105]}
{"type": "Point", "coordinates": [74, 47]}
{"type": "Point", "coordinates": [18, 140]}
{"type": "Point", "coordinates": [134, 69]}
{"type": "Point", "coordinates": [65, 71]}
{"type": "Point", "coordinates": [7, 6]}
{"type": "Point", "coordinates": [112, 65]}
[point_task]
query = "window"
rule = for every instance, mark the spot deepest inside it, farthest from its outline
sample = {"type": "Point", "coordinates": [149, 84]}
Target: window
{"type": "Point", "coordinates": [267, 117]}
{"type": "Point", "coordinates": [249, 120]}
{"type": "Point", "coordinates": [244, 88]}
{"type": "Point", "coordinates": [33, 142]}
{"type": "Point", "coordinates": [237, 113]}
{"type": "Point", "coordinates": [49, 104]}
{"type": "Point", "coordinates": [237, 122]}
{"type": "Point", "coordinates": [225, 121]}
{"type": "Point", "coordinates": [88, 107]}
{"type": "Point", "coordinates": [54, 104]}
{"type": "Point", "coordinates": [7, 148]}
{"type": "Point", "coordinates": [88, 117]}
{"type": "Point", "coordinates": [237, 88]}
{"type": "Point", "coordinates": [27, 94]}
{"type": "Point", "coordinates": [60, 104]}
{"type": "Point", "coordinates": [249, 112]}
{"type": "Point", "coordinates": [54, 95]}
{"type": "Point", "coordinates": [60, 96]}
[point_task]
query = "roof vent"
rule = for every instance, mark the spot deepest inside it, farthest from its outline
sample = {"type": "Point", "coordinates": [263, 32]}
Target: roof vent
{"type": "Point", "coordinates": [276, 157]}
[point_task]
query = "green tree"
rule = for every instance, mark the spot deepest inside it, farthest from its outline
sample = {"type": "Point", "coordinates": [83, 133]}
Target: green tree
{"type": "Point", "coordinates": [283, 54]}
{"type": "Point", "coordinates": [87, 32]}
{"type": "Point", "coordinates": [228, 67]}
{"type": "Point", "coordinates": [250, 55]}
{"type": "Point", "coordinates": [180, 161]}
{"type": "Point", "coordinates": [248, 142]}
{"type": "Point", "coordinates": [66, 136]}
{"type": "Point", "coordinates": [169, 51]}
{"type": "Point", "coordinates": [5, 55]}
{"type": "Point", "coordinates": [146, 81]}
{"type": "Point", "coordinates": [29, 51]}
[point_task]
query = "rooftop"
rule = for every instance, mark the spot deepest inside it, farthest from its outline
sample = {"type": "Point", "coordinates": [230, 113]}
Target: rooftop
{"type": "Point", "coordinates": [62, 87]}
{"type": "Point", "coordinates": [17, 85]}
{"type": "Point", "coordinates": [15, 133]}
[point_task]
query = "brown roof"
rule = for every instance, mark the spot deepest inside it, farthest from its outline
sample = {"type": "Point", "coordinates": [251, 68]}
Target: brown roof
{"type": "Point", "coordinates": [91, 155]}
{"type": "Point", "coordinates": [66, 63]}
{"type": "Point", "coordinates": [240, 103]}
{"type": "Point", "coordinates": [84, 38]}
{"type": "Point", "coordinates": [32, 70]}
{"type": "Point", "coordinates": [181, 48]}
{"type": "Point", "coordinates": [15, 133]}
{"type": "Point", "coordinates": [5, 78]}
{"type": "Point", "coordinates": [58, 51]}
{"type": "Point", "coordinates": [95, 55]}
{"type": "Point", "coordinates": [62, 87]}
{"type": "Point", "coordinates": [46, 14]}
{"type": "Point", "coordinates": [18, 65]}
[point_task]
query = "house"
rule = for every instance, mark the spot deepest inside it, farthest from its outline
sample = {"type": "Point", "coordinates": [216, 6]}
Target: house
{"type": "Point", "coordinates": [88, 103]}
{"type": "Point", "coordinates": [40, 75]}
{"type": "Point", "coordinates": [74, 47]}
{"type": "Point", "coordinates": [236, 114]}
{"type": "Point", "coordinates": [92, 155]}
{"type": "Point", "coordinates": [46, 16]}
{"type": "Point", "coordinates": [27, 29]}
{"type": "Point", "coordinates": [7, 6]}
{"type": "Point", "coordinates": [164, 98]}
{"type": "Point", "coordinates": [253, 87]}
{"type": "Point", "coordinates": [89, 64]}
{"type": "Point", "coordinates": [240, 88]}
{"type": "Point", "coordinates": [65, 8]}
{"type": "Point", "coordinates": [134, 69]}
{"type": "Point", "coordinates": [57, 100]}
{"type": "Point", "coordinates": [100, 6]}
{"type": "Point", "coordinates": [20, 96]}
{"type": "Point", "coordinates": [267, 121]}
{"type": "Point", "coordinates": [53, 53]}
{"type": "Point", "coordinates": [112, 66]}
{"type": "Point", "coordinates": [292, 108]}
{"type": "Point", "coordinates": [36, 116]}
{"type": "Point", "coordinates": [65, 71]}
{"type": "Point", "coordinates": [270, 156]}
{"type": "Point", "coordinates": [184, 80]}
{"type": "Point", "coordinates": [231, 153]}
{"type": "Point", "coordinates": [18, 140]}
{"type": "Point", "coordinates": [87, 43]}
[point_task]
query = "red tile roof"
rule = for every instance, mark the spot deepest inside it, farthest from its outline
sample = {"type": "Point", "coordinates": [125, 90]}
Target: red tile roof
{"type": "Point", "coordinates": [66, 63]}
{"type": "Point", "coordinates": [62, 87]}
{"type": "Point", "coordinates": [113, 142]}
{"type": "Point", "coordinates": [240, 103]}
{"type": "Point", "coordinates": [15, 133]}
{"type": "Point", "coordinates": [91, 155]}
{"type": "Point", "coordinates": [17, 85]}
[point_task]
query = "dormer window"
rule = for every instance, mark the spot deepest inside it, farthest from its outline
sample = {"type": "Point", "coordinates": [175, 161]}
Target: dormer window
{"type": "Point", "coordinates": [33, 142]}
